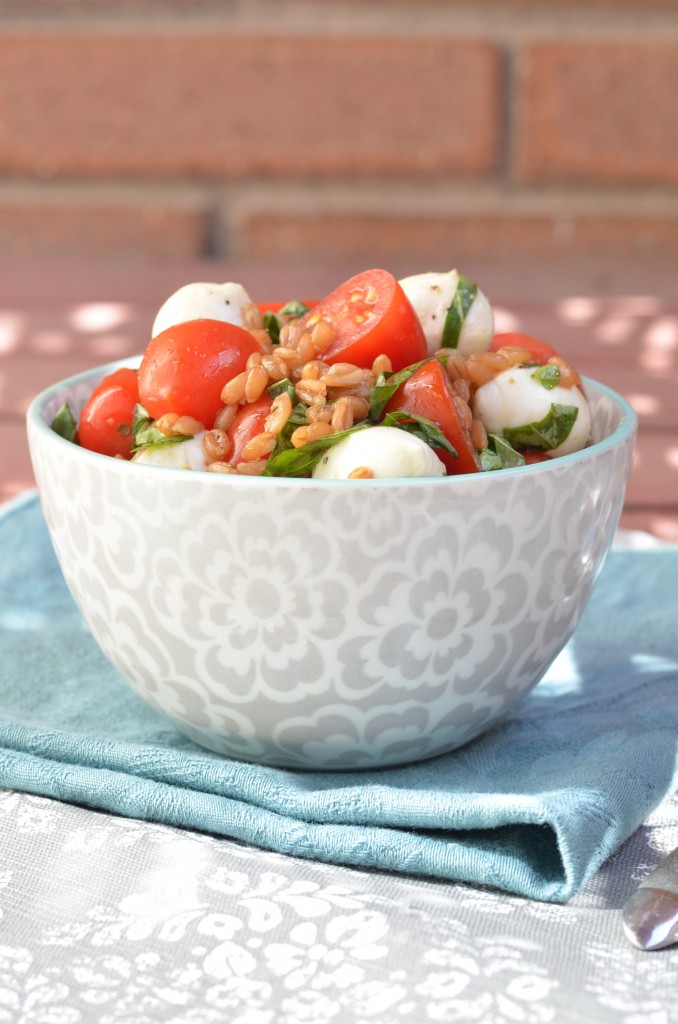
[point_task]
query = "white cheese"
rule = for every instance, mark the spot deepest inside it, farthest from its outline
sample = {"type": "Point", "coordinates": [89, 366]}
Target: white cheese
{"type": "Point", "coordinates": [431, 296]}
{"type": "Point", "coordinates": [178, 455]}
{"type": "Point", "coordinates": [387, 451]}
{"type": "Point", "coordinates": [514, 398]}
{"type": "Point", "coordinates": [202, 301]}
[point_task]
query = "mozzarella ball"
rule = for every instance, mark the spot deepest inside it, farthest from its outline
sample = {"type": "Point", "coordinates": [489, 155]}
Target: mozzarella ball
{"type": "Point", "coordinates": [514, 399]}
{"type": "Point", "coordinates": [387, 451]}
{"type": "Point", "coordinates": [178, 455]}
{"type": "Point", "coordinates": [202, 301]}
{"type": "Point", "coordinates": [431, 296]}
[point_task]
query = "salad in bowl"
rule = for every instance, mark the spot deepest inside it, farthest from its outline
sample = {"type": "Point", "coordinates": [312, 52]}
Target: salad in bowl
{"type": "Point", "coordinates": [380, 379]}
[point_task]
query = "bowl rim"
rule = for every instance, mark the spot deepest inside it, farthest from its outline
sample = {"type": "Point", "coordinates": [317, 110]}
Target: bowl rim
{"type": "Point", "coordinates": [35, 421]}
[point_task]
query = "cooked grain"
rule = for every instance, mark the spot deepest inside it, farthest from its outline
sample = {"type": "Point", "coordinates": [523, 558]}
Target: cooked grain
{"type": "Point", "coordinates": [342, 416]}
{"type": "Point", "coordinates": [299, 437]}
{"type": "Point", "coordinates": [275, 367]}
{"type": "Point", "coordinates": [478, 434]}
{"type": "Point", "coordinates": [322, 335]}
{"type": "Point", "coordinates": [254, 468]}
{"type": "Point", "coordinates": [234, 391]}
{"type": "Point", "coordinates": [216, 444]}
{"type": "Point", "coordinates": [317, 430]}
{"type": "Point", "coordinates": [256, 383]}
{"type": "Point", "coordinates": [224, 418]}
{"type": "Point", "coordinates": [569, 378]}
{"type": "Point", "coordinates": [258, 447]}
{"type": "Point", "coordinates": [382, 364]}
{"type": "Point", "coordinates": [279, 414]}
{"type": "Point", "coordinates": [251, 317]}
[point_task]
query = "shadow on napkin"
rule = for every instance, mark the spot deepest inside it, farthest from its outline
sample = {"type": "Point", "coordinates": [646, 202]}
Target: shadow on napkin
{"type": "Point", "coordinates": [534, 806]}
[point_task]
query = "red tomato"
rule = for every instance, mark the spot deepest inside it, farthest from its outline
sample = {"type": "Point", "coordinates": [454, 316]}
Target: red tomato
{"type": "Point", "coordinates": [249, 422]}
{"type": "Point", "coordinates": [428, 393]}
{"type": "Point", "coordinates": [540, 351]}
{"type": "Point", "coordinates": [532, 458]}
{"type": "Point", "coordinates": [184, 368]}
{"type": "Point", "coordinates": [371, 315]}
{"type": "Point", "coordinates": [106, 421]}
{"type": "Point", "coordinates": [275, 307]}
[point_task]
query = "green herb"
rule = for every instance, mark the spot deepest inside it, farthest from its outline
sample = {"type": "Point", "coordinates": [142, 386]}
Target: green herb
{"type": "Point", "coordinates": [147, 435]}
{"type": "Point", "coordinates": [283, 442]}
{"type": "Point", "coordinates": [458, 311]}
{"type": "Point", "coordinates": [272, 326]}
{"type": "Point", "coordinates": [302, 461]}
{"type": "Point", "coordinates": [293, 309]}
{"type": "Point", "coordinates": [548, 433]}
{"type": "Point", "coordinates": [282, 387]}
{"type": "Point", "coordinates": [386, 386]}
{"type": "Point", "coordinates": [422, 428]}
{"type": "Point", "coordinates": [548, 376]}
{"type": "Point", "coordinates": [65, 424]}
{"type": "Point", "coordinates": [499, 454]}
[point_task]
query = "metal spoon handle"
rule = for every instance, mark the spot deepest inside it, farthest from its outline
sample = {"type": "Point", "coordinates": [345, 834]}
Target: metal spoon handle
{"type": "Point", "coordinates": [650, 917]}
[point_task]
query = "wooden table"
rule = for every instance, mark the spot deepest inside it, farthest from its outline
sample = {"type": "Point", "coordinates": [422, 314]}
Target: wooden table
{"type": "Point", "coordinates": [618, 325]}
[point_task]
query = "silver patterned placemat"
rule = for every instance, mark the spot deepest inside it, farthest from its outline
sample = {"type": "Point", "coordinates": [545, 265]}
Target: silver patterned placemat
{"type": "Point", "coordinates": [107, 920]}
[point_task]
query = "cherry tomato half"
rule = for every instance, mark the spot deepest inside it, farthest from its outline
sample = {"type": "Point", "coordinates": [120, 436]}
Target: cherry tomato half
{"type": "Point", "coordinates": [249, 422]}
{"type": "Point", "coordinates": [184, 368]}
{"type": "Point", "coordinates": [532, 457]}
{"type": "Point", "coordinates": [428, 393]}
{"type": "Point", "coordinates": [106, 421]}
{"type": "Point", "coordinates": [540, 351]}
{"type": "Point", "coordinates": [371, 316]}
{"type": "Point", "coordinates": [275, 307]}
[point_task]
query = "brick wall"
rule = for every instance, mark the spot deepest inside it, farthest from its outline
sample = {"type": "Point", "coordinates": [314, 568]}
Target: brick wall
{"type": "Point", "coordinates": [381, 132]}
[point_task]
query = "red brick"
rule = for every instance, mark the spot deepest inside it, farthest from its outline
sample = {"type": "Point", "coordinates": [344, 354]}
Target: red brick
{"type": "Point", "coordinates": [448, 239]}
{"type": "Point", "coordinates": [222, 106]}
{"type": "Point", "coordinates": [603, 112]}
{"type": "Point", "coordinates": [42, 230]}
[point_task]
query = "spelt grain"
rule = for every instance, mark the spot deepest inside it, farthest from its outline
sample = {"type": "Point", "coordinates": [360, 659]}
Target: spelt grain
{"type": "Point", "coordinates": [258, 447]}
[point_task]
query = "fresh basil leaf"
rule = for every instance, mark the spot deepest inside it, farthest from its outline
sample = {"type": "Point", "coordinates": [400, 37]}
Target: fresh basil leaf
{"type": "Point", "coordinates": [458, 311]}
{"type": "Point", "coordinates": [65, 424]}
{"type": "Point", "coordinates": [272, 327]}
{"type": "Point", "coordinates": [302, 461]}
{"type": "Point", "coordinates": [154, 438]}
{"type": "Point", "coordinates": [147, 435]}
{"type": "Point", "coordinates": [546, 434]}
{"type": "Point", "coordinates": [294, 309]}
{"type": "Point", "coordinates": [548, 376]}
{"type": "Point", "coordinates": [499, 454]}
{"type": "Point", "coordinates": [386, 386]}
{"type": "Point", "coordinates": [283, 443]}
{"type": "Point", "coordinates": [422, 428]}
{"type": "Point", "coordinates": [282, 387]}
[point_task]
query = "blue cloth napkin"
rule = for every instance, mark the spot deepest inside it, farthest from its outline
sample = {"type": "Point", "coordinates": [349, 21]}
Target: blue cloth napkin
{"type": "Point", "coordinates": [534, 806]}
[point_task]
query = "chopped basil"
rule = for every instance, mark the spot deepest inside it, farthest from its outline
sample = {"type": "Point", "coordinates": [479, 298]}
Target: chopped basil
{"type": "Point", "coordinates": [283, 443]}
{"type": "Point", "coordinates": [548, 433]}
{"type": "Point", "coordinates": [499, 454]}
{"type": "Point", "coordinates": [548, 376]}
{"type": "Point", "coordinates": [386, 386]}
{"type": "Point", "coordinates": [65, 424]}
{"type": "Point", "coordinates": [272, 327]}
{"type": "Point", "coordinates": [458, 311]}
{"type": "Point", "coordinates": [302, 461]}
{"type": "Point", "coordinates": [282, 387]}
{"type": "Point", "coordinates": [294, 309]}
{"type": "Point", "coordinates": [147, 435]}
{"type": "Point", "coordinates": [274, 321]}
{"type": "Point", "coordinates": [422, 428]}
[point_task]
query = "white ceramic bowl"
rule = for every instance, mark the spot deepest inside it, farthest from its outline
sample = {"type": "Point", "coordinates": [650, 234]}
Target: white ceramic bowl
{"type": "Point", "coordinates": [330, 624]}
